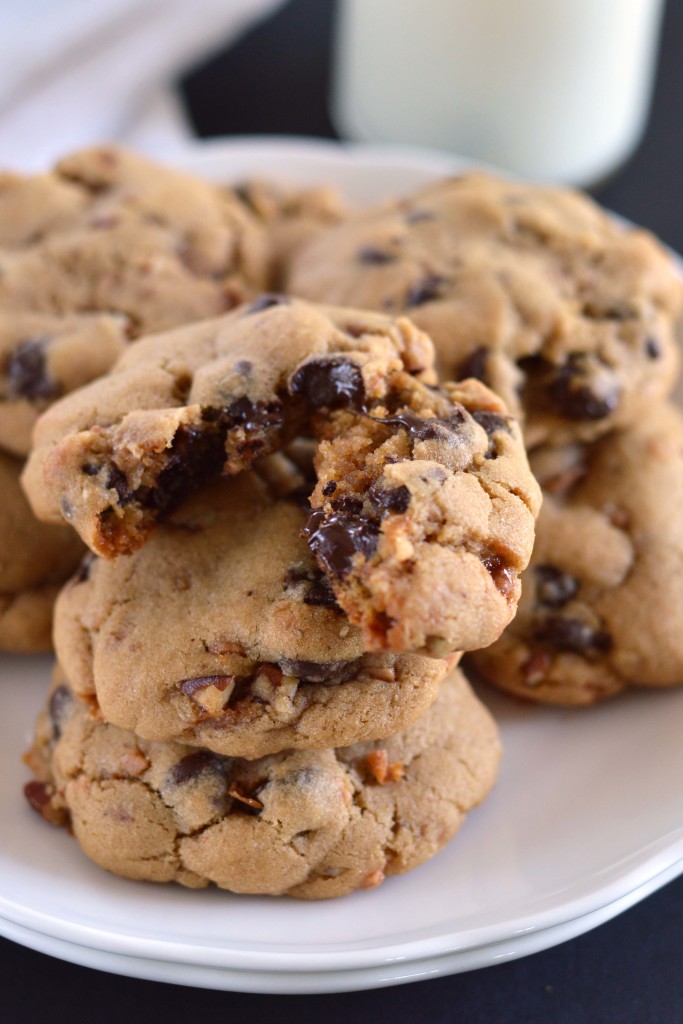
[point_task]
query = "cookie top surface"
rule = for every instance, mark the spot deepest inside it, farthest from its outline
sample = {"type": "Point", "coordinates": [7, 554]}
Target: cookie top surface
{"type": "Point", "coordinates": [44, 356]}
{"type": "Point", "coordinates": [223, 632]}
{"type": "Point", "coordinates": [110, 232]}
{"type": "Point", "coordinates": [601, 596]}
{"type": "Point", "coordinates": [313, 824]}
{"type": "Point", "coordinates": [292, 217]}
{"type": "Point", "coordinates": [423, 512]}
{"type": "Point", "coordinates": [563, 312]}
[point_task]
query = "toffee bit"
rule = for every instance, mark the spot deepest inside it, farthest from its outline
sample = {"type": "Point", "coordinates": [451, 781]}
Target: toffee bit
{"type": "Point", "coordinates": [40, 796]}
{"type": "Point", "coordinates": [249, 801]}
{"type": "Point", "coordinates": [225, 647]}
{"type": "Point", "coordinates": [535, 668]}
{"type": "Point", "coordinates": [372, 880]}
{"type": "Point", "coordinates": [378, 765]}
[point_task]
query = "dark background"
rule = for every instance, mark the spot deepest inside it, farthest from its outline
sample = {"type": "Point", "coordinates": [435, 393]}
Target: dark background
{"type": "Point", "coordinates": [629, 971]}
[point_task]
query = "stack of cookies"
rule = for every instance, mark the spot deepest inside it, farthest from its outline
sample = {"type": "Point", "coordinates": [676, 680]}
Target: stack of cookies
{"type": "Point", "coordinates": [295, 531]}
{"type": "Point", "coordinates": [571, 318]}
{"type": "Point", "coordinates": [297, 522]}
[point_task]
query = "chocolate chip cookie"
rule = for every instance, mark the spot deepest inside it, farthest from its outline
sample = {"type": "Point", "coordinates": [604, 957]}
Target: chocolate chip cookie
{"type": "Point", "coordinates": [43, 356]}
{"type": "Point", "coordinates": [565, 313]}
{"type": "Point", "coordinates": [34, 560]}
{"type": "Point", "coordinates": [292, 217]}
{"type": "Point", "coordinates": [223, 632]}
{"type": "Point", "coordinates": [112, 233]}
{"type": "Point", "coordinates": [423, 512]}
{"type": "Point", "coordinates": [602, 595]}
{"type": "Point", "coordinates": [312, 824]}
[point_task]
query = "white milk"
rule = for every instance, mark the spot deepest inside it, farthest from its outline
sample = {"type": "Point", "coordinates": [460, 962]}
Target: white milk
{"type": "Point", "coordinates": [552, 89]}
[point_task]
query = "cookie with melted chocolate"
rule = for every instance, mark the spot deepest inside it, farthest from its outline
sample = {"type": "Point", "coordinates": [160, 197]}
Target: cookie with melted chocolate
{"type": "Point", "coordinates": [423, 513]}
{"type": "Point", "coordinates": [309, 823]}
{"type": "Point", "coordinates": [600, 596]}
{"type": "Point", "coordinates": [565, 313]}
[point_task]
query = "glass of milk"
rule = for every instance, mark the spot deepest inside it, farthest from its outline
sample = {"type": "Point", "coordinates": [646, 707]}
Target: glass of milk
{"type": "Point", "coordinates": [550, 89]}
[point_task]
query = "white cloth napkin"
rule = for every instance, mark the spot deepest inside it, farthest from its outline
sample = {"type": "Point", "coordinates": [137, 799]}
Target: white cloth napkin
{"type": "Point", "coordinates": [83, 71]}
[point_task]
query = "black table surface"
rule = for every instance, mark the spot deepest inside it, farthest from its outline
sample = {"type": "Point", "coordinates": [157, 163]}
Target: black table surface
{"type": "Point", "coordinates": [628, 971]}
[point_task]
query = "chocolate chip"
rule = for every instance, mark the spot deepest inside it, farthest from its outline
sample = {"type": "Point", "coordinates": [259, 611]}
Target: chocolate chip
{"type": "Point", "coordinates": [490, 421]}
{"type": "Point", "coordinates": [347, 504]}
{"type": "Point", "coordinates": [564, 634]}
{"type": "Point", "coordinates": [201, 762]}
{"type": "Point", "coordinates": [554, 587]}
{"type": "Point", "coordinates": [117, 481]}
{"type": "Point", "coordinates": [426, 290]}
{"type": "Point", "coordinates": [317, 587]}
{"type": "Point", "coordinates": [329, 383]}
{"type": "Point", "coordinates": [416, 216]}
{"type": "Point", "coordinates": [254, 416]}
{"type": "Point", "coordinates": [196, 455]}
{"type": "Point", "coordinates": [328, 672]}
{"type": "Point", "coordinates": [320, 593]}
{"type": "Point", "coordinates": [244, 367]}
{"type": "Point", "coordinates": [573, 394]}
{"type": "Point", "coordinates": [370, 255]}
{"type": "Point", "coordinates": [58, 708]}
{"type": "Point", "coordinates": [335, 539]}
{"type": "Point", "coordinates": [397, 499]}
{"type": "Point", "coordinates": [267, 301]}
{"type": "Point", "coordinates": [653, 348]}
{"type": "Point", "coordinates": [329, 488]}
{"type": "Point", "coordinates": [27, 375]}
{"type": "Point", "coordinates": [425, 429]}
{"type": "Point", "coordinates": [243, 191]}
{"type": "Point", "coordinates": [90, 469]}
{"type": "Point", "coordinates": [474, 365]}
{"type": "Point", "coordinates": [296, 574]}
{"type": "Point", "coordinates": [82, 574]}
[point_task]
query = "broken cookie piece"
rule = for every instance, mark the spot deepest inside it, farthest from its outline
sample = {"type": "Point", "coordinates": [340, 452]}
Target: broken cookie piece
{"type": "Point", "coordinates": [423, 513]}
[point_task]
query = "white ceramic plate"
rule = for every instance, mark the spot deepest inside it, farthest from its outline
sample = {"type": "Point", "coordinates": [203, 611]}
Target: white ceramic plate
{"type": "Point", "coordinates": [309, 983]}
{"type": "Point", "coordinates": [584, 821]}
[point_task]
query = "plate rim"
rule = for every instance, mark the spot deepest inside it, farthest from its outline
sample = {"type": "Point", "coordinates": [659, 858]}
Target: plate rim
{"type": "Point", "coordinates": [326, 981]}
